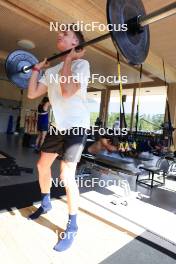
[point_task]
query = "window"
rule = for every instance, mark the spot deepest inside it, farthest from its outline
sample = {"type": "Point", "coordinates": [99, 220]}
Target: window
{"type": "Point", "coordinates": [152, 106]}
{"type": "Point", "coordinates": [152, 103]}
{"type": "Point", "coordinates": [94, 99]}
{"type": "Point", "coordinates": [114, 106]}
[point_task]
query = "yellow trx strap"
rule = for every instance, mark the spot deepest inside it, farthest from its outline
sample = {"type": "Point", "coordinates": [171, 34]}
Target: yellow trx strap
{"type": "Point", "coordinates": [121, 147]}
{"type": "Point", "coordinates": [126, 146]}
{"type": "Point", "coordinates": [134, 145]}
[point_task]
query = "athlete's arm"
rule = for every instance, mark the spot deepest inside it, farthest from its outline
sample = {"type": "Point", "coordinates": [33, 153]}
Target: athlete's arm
{"type": "Point", "coordinates": [36, 89]}
{"type": "Point", "coordinates": [69, 87]}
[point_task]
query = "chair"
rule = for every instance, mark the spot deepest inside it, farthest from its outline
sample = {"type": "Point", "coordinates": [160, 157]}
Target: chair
{"type": "Point", "coordinates": [161, 169]}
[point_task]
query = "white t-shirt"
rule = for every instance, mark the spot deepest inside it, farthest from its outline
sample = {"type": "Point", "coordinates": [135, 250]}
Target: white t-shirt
{"type": "Point", "coordinates": [73, 111]}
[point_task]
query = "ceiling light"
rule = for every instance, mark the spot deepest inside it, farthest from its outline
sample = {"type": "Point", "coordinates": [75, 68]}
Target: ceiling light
{"type": "Point", "coordinates": [26, 44]}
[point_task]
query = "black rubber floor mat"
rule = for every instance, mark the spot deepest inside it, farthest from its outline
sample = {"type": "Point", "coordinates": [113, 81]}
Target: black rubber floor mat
{"type": "Point", "coordinates": [8, 166]}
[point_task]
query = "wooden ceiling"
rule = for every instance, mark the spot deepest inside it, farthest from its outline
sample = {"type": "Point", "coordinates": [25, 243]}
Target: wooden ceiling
{"type": "Point", "coordinates": [21, 19]}
{"type": "Point", "coordinates": [163, 33]}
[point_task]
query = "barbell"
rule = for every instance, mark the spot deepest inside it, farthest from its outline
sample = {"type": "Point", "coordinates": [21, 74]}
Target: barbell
{"type": "Point", "coordinates": [133, 43]}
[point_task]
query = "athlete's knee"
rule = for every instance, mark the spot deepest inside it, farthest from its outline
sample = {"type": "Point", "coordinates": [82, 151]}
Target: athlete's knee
{"type": "Point", "coordinates": [67, 165]}
{"type": "Point", "coordinates": [43, 166]}
{"type": "Point", "coordinates": [67, 172]}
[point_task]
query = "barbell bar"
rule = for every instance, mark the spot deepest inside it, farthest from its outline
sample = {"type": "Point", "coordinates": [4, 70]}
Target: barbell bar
{"type": "Point", "coordinates": [157, 15]}
{"type": "Point", "coordinates": [133, 44]}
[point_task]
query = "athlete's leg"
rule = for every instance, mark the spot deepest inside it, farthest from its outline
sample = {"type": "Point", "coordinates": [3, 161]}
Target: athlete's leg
{"type": "Point", "coordinates": [44, 170]}
{"type": "Point", "coordinates": [67, 175]}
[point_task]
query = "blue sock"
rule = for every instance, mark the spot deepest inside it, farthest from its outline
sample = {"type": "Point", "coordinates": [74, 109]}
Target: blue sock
{"type": "Point", "coordinates": [44, 208]}
{"type": "Point", "coordinates": [69, 235]}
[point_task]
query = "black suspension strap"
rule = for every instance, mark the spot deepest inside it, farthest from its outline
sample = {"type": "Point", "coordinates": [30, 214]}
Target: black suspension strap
{"type": "Point", "coordinates": [138, 104]}
{"type": "Point", "coordinates": [170, 127]}
{"type": "Point", "coordinates": [122, 110]}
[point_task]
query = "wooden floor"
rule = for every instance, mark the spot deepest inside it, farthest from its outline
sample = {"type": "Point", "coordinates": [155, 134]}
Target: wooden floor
{"type": "Point", "coordinates": [23, 241]}
{"type": "Point", "coordinates": [136, 215]}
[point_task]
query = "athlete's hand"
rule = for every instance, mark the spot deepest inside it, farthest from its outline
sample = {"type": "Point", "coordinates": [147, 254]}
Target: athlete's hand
{"type": "Point", "coordinates": [43, 64]}
{"type": "Point", "coordinates": [75, 54]}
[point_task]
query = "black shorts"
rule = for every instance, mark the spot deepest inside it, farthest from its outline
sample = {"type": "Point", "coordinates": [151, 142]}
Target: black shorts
{"type": "Point", "coordinates": [68, 145]}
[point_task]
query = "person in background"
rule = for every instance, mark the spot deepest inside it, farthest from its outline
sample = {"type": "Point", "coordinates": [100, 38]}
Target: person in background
{"type": "Point", "coordinates": [102, 143]}
{"type": "Point", "coordinates": [98, 122]}
{"type": "Point", "coordinates": [116, 124]}
{"type": "Point", "coordinates": [42, 122]}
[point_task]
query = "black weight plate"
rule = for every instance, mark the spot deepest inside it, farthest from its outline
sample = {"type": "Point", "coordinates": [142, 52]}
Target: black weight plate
{"type": "Point", "coordinates": [133, 47]}
{"type": "Point", "coordinates": [15, 62]}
